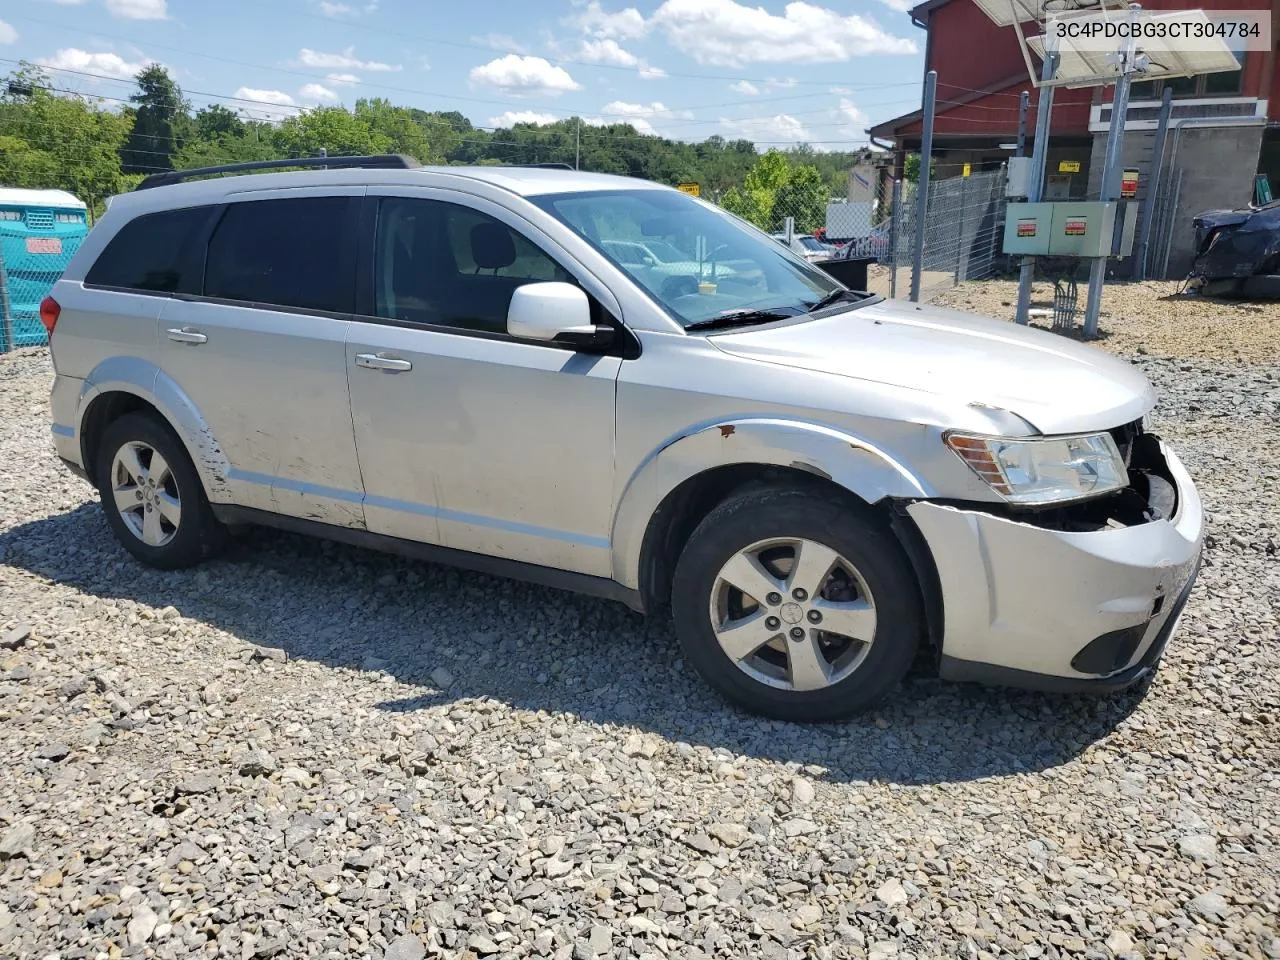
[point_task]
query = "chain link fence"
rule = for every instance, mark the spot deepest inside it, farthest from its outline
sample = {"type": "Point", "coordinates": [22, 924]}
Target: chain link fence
{"type": "Point", "coordinates": [31, 260]}
{"type": "Point", "coordinates": [962, 238]}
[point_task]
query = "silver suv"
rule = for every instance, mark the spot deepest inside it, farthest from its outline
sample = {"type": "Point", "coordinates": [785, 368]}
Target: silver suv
{"type": "Point", "coordinates": [463, 364]}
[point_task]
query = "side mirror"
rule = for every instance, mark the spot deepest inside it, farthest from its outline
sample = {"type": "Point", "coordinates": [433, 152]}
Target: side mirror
{"type": "Point", "coordinates": [554, 311]}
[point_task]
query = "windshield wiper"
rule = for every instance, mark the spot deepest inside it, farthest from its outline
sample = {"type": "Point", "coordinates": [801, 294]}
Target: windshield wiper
{"type": "Point", "coordinates": [738, 318]}
{"type": "Point", "coordinates": [834, 297]}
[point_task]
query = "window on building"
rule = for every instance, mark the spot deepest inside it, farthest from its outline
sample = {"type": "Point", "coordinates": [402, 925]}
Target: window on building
{"type": "Point", "coordinates": [1224, 84]}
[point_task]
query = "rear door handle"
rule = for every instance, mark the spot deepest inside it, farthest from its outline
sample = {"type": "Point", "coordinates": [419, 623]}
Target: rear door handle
{"type": "Point", "coordinates": [375, 361]}
{"type": "Point", "coordinates": [184, 335]}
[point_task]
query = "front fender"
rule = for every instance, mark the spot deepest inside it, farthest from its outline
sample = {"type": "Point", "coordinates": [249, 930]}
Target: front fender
{"type": "Point", "coordinates": [853, 462]}
{"type": "Point", "coordinates": [145, 380]}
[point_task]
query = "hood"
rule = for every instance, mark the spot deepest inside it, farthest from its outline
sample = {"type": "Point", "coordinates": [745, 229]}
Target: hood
{"type": "Point", "coordinates": [1055, 384]}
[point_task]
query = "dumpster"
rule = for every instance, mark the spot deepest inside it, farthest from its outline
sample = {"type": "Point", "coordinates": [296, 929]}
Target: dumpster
{"type": "Point", "coordinates": [851, 271]}
{"type": "Point", "coordinates": [40, 230]}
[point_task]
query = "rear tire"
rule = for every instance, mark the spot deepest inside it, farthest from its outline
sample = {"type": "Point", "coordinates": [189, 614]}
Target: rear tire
{"type": "Point", "coordinates": [822, 642]}
{"type": "Point", "coordinates": [152, 496]}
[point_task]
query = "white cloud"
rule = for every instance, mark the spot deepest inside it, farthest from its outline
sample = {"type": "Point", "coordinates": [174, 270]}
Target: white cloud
{"type": "Point", "coordinates": [273, 105]}
{"type": "Point", "coordinates": [745, 86]}
{"type": "Point", "coordinates": [343, 60]}
{"type": "Point", "coordinates": [138, 9]}
{"type": "Point", "coordinates": [782, 128]}
{"type": "Point", "coordinates": [637, 114]}
{"type": "Point", "coordinates": [594, 21]}
{"type": "Point", "coordinates": [851, 112]}
{"type": "Point", "coordinates": [649, 72]}
{"type": "Point", "coordinates": [607, 51]}
{"type": "Point", "coordinates": [520, 76]}
{"type": "Point", "coordinates": [7, 33]}
{"type": "Point", "coordinates": [840, 91]}
{"type": "Point", "coordinates": [343, 79]}
{"type": "Point", "coordinates": [726, 33]}
{"type": "Point", "coordinates": [335, 8]}
{"type": "Point", "coordinates": [104, 64]}
{"type": "Point", "coordinates": [512, 117]}
{"type": "Point", "coordinates": [500, 41]}
{"type": "Point", "coordinates": [902, 6]}
{"type": "Point", "coordinates": [316, 92]}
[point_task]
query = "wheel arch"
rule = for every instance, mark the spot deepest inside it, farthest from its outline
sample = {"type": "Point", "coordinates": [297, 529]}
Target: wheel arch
{"type": "Point", "coordinates": [124, 385]}
{"type": "Point", "coordinates": [674, 488]}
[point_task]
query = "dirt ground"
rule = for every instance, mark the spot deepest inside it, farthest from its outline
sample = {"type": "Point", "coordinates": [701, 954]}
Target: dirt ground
{"type": "Point", "coordinates": [1147, 318]}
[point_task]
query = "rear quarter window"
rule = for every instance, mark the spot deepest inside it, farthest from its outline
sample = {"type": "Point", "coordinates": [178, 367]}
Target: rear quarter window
{"type": "Point", "coordinates": [147, 254]}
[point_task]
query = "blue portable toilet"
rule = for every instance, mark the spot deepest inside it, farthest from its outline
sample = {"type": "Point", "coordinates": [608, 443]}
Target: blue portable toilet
{"type": "Point", "coordinates": [40, 230]}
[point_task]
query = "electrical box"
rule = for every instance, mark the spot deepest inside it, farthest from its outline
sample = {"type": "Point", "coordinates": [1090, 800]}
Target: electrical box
{"type": "Point", "coordinates": [1026, 229]}
{"type": "Point", "coordinates": [1069, 229]}
{"type": "Point", "coordinates": [1018, 177]}
{"type": "Point", "coordinates": [1128, 217]}
{"type": "Point", "coordinates": [1082, 229]}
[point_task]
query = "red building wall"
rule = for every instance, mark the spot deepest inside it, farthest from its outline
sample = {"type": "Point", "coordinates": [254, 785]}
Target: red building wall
{"type": "Point", "coordinates": [972, 54]}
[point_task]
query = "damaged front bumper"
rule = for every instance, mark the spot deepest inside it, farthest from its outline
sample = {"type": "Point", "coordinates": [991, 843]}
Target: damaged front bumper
{"type": "Point", "coordinates": [1047, 605]}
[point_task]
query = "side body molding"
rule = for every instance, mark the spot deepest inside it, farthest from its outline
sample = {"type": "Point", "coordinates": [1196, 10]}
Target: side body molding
{"type": "Point", "coordinates": [146, 381]}
{"type": "Point", "coordinates": [850, 461]}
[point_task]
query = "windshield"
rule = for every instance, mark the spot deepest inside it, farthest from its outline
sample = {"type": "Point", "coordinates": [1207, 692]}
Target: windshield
{"type": "Point", "coordinates": [811, 244]}
{"type": "Point", "coordinates": [697, 261]}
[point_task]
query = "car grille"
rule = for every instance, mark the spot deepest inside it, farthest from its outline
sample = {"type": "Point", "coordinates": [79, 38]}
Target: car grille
{"type": "Point", "coordinates": [39, 219]}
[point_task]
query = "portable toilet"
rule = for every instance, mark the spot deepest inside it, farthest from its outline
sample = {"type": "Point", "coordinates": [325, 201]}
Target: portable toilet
{"type": "Point", "coordinates": [40, 230]}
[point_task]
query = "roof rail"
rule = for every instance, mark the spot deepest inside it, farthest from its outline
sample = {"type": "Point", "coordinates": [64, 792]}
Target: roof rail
{"type": "Point", "coordinates": [545, 166]}
{"type": "Point", "coordinates": [387, 161]}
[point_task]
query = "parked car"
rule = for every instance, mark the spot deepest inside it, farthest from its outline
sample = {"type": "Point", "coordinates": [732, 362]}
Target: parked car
{"type": "Point", "coordinates": [875, 244]}
{"type": "Point", "coordinates": [1238, 251]}
{"type": "Point", "coordinates": [445, 362]}
{"type": "Point", "coordinates": [806, 246]}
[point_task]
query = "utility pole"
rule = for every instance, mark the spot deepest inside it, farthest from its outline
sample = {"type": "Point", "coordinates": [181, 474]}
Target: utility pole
{"type": "Point", "coordinates": [922, 188]}
{"type": "Point", "coordinates": [1039, 157]}
{"type": "Point", "coordinates": [1111, 173]}
{"type": "Point", "coordinates": [577, 143]}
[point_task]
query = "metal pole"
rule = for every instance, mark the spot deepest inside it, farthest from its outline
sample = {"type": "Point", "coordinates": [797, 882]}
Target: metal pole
{"type": "Point", "coordinates": [1153, 185]}
{"type": "Point", "coordinates": [922, 196]}
{"type": "Point", "coordinates": [1035, 188]}
{"type": "Point", "coordinates": [789, 229]}
{"type": "Point", "coordinates": [577, 143]}
{"type": "Point", "coordinates": [1110, 176]}
{"type": "Point", "coordinates": [1024, 106]}
{"type": "Point", "coordinates": [893, 238]}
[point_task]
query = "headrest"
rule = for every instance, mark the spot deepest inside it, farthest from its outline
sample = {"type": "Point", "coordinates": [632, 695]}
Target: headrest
{"type": "Point", "coordinates": [491, 246]}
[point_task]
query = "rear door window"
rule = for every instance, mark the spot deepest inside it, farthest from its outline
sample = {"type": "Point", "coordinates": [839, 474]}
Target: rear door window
{"type": "Point", "coordinates": [297, 252]}
{"type": "Point", "coordinates": [148, 252]}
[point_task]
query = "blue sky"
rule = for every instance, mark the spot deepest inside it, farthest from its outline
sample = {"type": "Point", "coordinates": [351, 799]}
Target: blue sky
{"type": "Point", "coordinates": [767, 70]}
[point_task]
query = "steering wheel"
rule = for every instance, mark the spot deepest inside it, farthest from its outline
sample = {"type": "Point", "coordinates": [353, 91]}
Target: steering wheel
{"type": "Point", "coordinates": [681, 286]}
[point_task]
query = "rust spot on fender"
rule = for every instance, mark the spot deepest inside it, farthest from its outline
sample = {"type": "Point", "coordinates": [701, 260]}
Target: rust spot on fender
{"type": "Point", "coordinates": [727, 430]}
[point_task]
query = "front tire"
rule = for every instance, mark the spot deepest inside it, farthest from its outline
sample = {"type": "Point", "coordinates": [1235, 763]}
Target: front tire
{"type": "Point", "coordinates": [796, 606]}
{"type": "Point", "coordinates": [152, 495]}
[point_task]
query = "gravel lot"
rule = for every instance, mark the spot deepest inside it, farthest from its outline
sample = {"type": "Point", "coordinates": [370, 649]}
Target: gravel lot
{"type": "Point", "coordinates": [307, 750]}
{"type": "Point", "coordinates": [1150, 318]}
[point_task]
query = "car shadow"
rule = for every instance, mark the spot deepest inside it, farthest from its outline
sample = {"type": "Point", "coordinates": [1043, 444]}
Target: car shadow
{"type": "Point", "coordinates": [551, 651]}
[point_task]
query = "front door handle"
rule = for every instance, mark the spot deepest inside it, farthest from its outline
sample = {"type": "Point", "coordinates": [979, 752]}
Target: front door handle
{"type": "Point", "coordinates": [185, 335]}
{"type": "Point", "coordinates": [376, 361]}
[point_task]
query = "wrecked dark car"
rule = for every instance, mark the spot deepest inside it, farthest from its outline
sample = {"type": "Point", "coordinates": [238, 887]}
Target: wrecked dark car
{"type": "Point", "coordinates": [1238, 252]}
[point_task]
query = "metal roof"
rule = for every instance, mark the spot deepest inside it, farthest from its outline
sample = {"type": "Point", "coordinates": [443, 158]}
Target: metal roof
{"type": "Point", "coordinates": [21, 196]}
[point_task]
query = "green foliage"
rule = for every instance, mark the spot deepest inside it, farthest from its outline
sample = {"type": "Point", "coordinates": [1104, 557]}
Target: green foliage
{"type": "Point", "coordinates": [911, 168]}
{"type": "Point", "coordinates": [804, 196]}
{"type": "Point", "coordinates": [47, 140]}
{"type": "Point", "coordinates": [160, 122]}
{"type": "Point", "coordinates": [60, 142]}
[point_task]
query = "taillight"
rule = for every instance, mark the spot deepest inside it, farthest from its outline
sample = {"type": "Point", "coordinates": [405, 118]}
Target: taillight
{"type": "Point", "coordinates": [49, 312]}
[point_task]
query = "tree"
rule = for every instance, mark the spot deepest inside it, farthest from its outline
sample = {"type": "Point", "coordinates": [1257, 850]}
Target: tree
{"type": "Point", "coordinates": [334, 129]}
{"type": "Point", "coordinates": [804, 196]}
{"type": "Point", "coordinates": [756, 200]}
{"type": "Point", "coordinates": [160, 121]}
{"type": "Point", "coordinates": [61, 142]}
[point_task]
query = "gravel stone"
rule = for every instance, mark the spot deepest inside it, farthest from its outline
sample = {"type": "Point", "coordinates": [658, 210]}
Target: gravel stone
{"type": "Point", "coordinates": [574, 776]}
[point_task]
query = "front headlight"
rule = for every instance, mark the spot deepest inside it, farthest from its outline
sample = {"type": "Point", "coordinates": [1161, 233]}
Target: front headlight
{"type": "Point", "coordinates": [1041, 471]}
